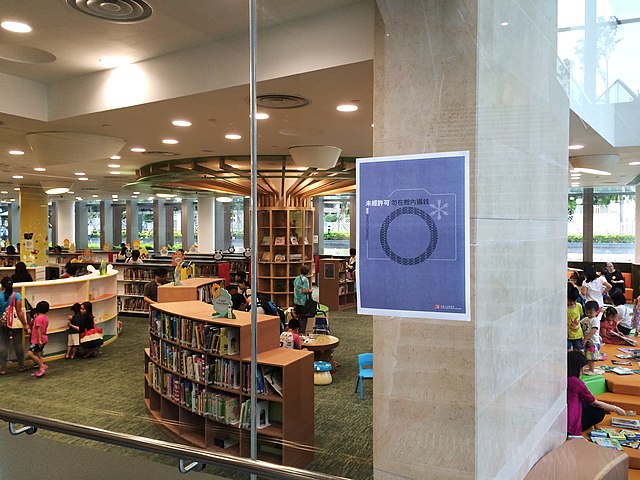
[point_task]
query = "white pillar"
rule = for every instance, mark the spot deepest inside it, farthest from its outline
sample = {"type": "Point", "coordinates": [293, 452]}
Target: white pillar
{"type": "Point", "coordinates": [206, 224]}
{"type": "Point", "coordinates": [65, 210]}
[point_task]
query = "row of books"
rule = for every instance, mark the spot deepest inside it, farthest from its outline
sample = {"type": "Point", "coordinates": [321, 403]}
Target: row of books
{"type": "Point", "coordinates": [193, 366]}
{"type": "Point", "coordinates": [134, 288]}
{"type": "Point", "coordinates": [282, 241]}
{"type": "Point", "coordinates": [269, 380]}
{"type": "Point", "coordinates": [209, 338]}
{"type": "Point", "coordinates": [169, 356]}
{"type": "Point", "coordinates": [137, 274]}
{"type": "Point", "coordinates": [262, 409]}
{"type": "Point", "coordinates": [205, 293]}
{"type": "Point", "coordinates": [225, 373]}
{"type": "Point", "coordinates": [134, 304]}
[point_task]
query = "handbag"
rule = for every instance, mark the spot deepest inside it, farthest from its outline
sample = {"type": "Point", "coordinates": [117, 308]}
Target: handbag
{"type": "Point", "coordinates": [310, 307]}
{"type": "Point", "coordinates": [9, 317]}
{"type": "Point", "coordinates": [92, 337]}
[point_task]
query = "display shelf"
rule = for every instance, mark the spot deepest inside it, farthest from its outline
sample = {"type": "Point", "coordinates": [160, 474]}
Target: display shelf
{"type": "Point", "coordinates": [337, 290]}
{"type": "Point", "coordinates": [189, 289]}
{"type": "Point", "coordinates": [284, 245]}
{"type": "Point", "coordinates": [196, 389]}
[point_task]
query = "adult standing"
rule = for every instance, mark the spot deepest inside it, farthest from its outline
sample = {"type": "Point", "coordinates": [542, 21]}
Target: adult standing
{"type": "Point", "coordinates": [614, 277]}
{"type": "Point", "coordinates": [301, 292]}
{"type": "Point", "coordinates": [594, 286]}
{"type": "Point", "coordinates": [8, 300]}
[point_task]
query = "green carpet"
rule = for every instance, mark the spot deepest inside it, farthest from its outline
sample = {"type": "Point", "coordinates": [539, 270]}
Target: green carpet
{"type": "Point", "coordinates": [107, 392]}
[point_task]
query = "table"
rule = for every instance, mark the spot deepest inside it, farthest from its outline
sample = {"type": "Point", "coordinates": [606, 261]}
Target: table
{"type": "Point", "coordinates": [322, 347]}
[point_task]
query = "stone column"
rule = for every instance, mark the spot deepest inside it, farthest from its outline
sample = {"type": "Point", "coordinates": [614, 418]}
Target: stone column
{"type": "Point", "coordinates": [206, 224]}
{"type": "Point", "coordinates": [117, 208]}
{"type": "Point", "coordinates": [14, 222]}
{"type": "Point", "coordinates": [159, 225]}
{"type": "Point", "coordinates": [34, 225]}
{"type": "Point", "coordinates": [106, 225]}
{"type": "Point", "coordinates": [222, 226]}
{"type": "Point", "coordinates": [66, 222]}
{"type": "Point", "coordinates": [318, 224]}
{"type": "Point", "coordinates": [168, 214]}
{"type": "Point", "coordinates": [187, 220]}
{"type": "Point", "coordinates": [133, 230]}
{"type": "Point", "coordinates": [82, 226]}
{"type": "Point", "coordinates": [449, 77]}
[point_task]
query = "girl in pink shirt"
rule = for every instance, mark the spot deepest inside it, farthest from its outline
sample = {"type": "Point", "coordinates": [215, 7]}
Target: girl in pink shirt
{"type": "Point", "coordinates": [583, 410]}
{"type": "Point", "coordinates": [39, 337]}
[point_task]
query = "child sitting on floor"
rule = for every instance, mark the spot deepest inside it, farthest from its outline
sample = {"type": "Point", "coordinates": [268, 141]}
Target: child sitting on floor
{"type": "Point", "coordinates": [609, 329]}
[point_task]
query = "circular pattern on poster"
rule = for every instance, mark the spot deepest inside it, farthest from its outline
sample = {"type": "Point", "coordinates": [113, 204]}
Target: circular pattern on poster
{"type": "Point", "coordinates": [431, 245]}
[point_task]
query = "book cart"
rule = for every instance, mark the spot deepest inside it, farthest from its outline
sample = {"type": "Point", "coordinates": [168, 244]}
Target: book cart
{"type": "Point", "coordinates": [62, 294]}
{"type": "Point", "coordinates": [197, 383]}
{"type": "Point", "coordinates": [285, 243]}
{"type": "Point", "coordinates": [337, 287]}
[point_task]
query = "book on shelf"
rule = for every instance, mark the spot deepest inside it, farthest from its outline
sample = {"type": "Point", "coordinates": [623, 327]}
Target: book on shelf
{"type": "Point", "coordinates": [266, 240]}
{"type": "Point", "coordinates": [273, 377]}
{"type": "Point", "coordinates": [279, 241]}
{"type": "Point", "coordinates": [279, 258]}
{"type": "Point", "coordinates": [266, 257]}
{"type": "Point", "coordinates": [293, 240]}
{"type": "Point", "coordinates": [295, 257]}
{"type": "Point", "coordinates": [306, 241]}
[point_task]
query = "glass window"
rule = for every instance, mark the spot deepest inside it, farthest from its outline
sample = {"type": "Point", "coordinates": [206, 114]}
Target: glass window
{"type": "Point", "coordinates": [93, 229]}
{"type": "Point", "coordinates": [575, 226]}
{"type": "Point", "coordinates": [336, 225]}
{"type": "Point", "coordinates": [236, 224]}
{"type": "Point", "coordinates": [177, 227]}
{"type": "Point", "coordinates": [145, 222]}
{"type": "Point", "coordinates": [614, 224]}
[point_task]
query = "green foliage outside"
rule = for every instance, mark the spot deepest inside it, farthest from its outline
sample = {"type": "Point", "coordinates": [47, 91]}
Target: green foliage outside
{"type": "Point", "coordinates": [336, 235]}
{"type": "Point", "coordinates": [330, 217]}
{"type": "Point", "coordinates": [619, 238]}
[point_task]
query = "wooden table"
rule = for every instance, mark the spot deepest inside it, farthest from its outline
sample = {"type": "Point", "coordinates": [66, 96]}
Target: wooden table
{"type": "Point", "coordinates": [322, 347]}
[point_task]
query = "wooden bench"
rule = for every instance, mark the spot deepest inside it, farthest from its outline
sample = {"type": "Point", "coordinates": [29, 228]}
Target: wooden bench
{"type": "Point", "coordinates": [578, 459]}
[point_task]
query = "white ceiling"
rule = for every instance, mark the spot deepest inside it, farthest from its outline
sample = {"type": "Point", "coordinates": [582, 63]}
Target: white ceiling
{"type": "Point", "coordinates": [78, 40]}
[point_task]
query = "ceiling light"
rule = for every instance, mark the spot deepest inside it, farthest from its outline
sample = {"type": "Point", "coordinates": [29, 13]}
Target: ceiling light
{"type": "Point", "coordinates": [70, 192]}
{"type": "Point", "coordinates": [114, 62]}
{"type": "Point", "coordinates": [170, 141]}
{"type": "Point", "coordinates": [593, 171]}
{"type": "Point", "coordinates": [78, 198]}
{"type": "Point", "coordinates": [504, 24]}
{"type": "Point", "coordinates": [575, 184]}
{"type": "Point", "coordinates": [138, 149]}
{"type": "Point", "coordinates": [136, 193]}
{"type": "Point", "coordinates": [83, 179]}
{"type": "Point", "coordinates": [151, 198]}
{"type": "Point", "coordinates": [115, 157]}
{"type": "Point", "coordinates": [134, 196]}
{"type": "Point", "coordinates": [114, 196]}
{"type": "Point", "coordinates": [347, 107]}
{"type": "Point", "coordinates": [181, 123]}
{"type": "Point", "coordinates": [115, 172]}
{"type": "Point", "coordinates": [4, 192]}
{"type": "Point", "coordinates": [17, 189]}
{"type": "Point", "coordinates": [113, 165]}
{"type": "Point", "coordinates": [577, 146]}
{"type": "Point", "coordinates": [80, 174]}
{"type": "Point", "coordinates": [634, 163]}
{"type": "Point", "coordinates": [12, 199]}
{"type": "Point", "coordinates": [594, 164]}
{"type": "Point", "coordinates": [18, 176]}
{"type": "Point", "coordinates": [40, 169]}
{"type": "Point", "coordinates": [165, 195]}
{"type": "Point", "coordinates": [260, 116]}
{"type": "Point", "coordinates": [233, 136]}
{"type": "Point", "coordinates": [318, 156]}
{"type": "Point", "coordinates": [94, 196]}
{"type": "Point", "coordinates": [56, 190]}
{"type": "Point", "coordinates": [224, 199]}
{"type": "Point", "coordinates": [576, 175]}
{"type": "Point", "coordinates": [16, 27]}
{"type": "Point", "coordinates": [16, 152]}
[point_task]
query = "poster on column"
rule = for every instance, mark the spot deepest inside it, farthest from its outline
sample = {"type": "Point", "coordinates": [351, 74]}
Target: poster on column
{"type": "Point", "coordinates": [413, 236]}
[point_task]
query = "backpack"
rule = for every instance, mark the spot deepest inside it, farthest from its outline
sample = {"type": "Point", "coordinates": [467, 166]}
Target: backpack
{"type": "Point", "coordinates": [286, 340]}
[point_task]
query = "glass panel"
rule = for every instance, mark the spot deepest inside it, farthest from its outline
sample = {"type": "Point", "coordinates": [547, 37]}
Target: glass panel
{"type": "Point", "coordinates": [614, 224]}
{"type": "Point", "coordinates": [145, 224]}
{"type": "Point", "coordinates": [337, 225]}
{"type": "Point", "coordinates": [237, 223]}
{"type": "Point", "coordinates": [177, 227]}
{"type": "Point", "coordinates": [93, 230]}
{"type": "Point", "coordinates": [575, 226]}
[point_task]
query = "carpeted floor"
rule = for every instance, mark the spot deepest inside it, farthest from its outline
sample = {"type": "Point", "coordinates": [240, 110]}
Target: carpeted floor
{"type": "Point", "coordinates": [107, 392]}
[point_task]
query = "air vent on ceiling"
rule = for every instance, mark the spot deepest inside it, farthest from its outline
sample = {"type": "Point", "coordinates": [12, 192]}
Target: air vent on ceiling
{"type": "Point", "coordinates": [281, 101]}
{"type": "Point", "coordinates": [113, 10]}
{"type": "Point", "coordinates": [160, 153]}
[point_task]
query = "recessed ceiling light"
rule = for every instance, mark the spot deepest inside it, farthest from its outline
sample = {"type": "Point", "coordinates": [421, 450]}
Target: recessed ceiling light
{"type": "Point", "coordinates": [165, 195]}
{"type": "Point", "coordinates": [170, 141]}
{"type": "Point", "coordinates": [113, 165]}
{"type": "Point", "coordinates": [83, 179]}
{"type": "Point", "coordinates": [71, 192]}
{"type": "Point", "coordinates": [592, 171]}
{"type": "Point", "coordinates": [634, 163]}
{"type": "Point", "coordinates": [576, 146]}
{"type": "Point", "coordinates": [17, 189]}
{"type": "Point", "coordinates": [136, 193]}
{"type": "Point", "coordinates": [94, 196]}
{"type": "Point", "coordinates": [4, 192]}
{"type": "Point", "coordinates": [504, 24]}
{"type": "Point", "coordinates": [78, 198]}
{"type": "Point", "coordinates": [80, 174]}
{"type": "Point", "coordinates": [151, 198]}
{"type": "Point", "coordinates": [576, 175]}
{"type": "Point", "coordinates": [18, 176]}
{"type": "Point", "coordinates": [114, 196]}
{"type": "Point", "coordinates": [16, 152]}
{"type": "Point", "coordinates": [233, 136]}
{"type": "Point", "coordinates": [115, 157]}
{"type": "Point", "coordinates": [12, 199]}
{"type": "Point", "coordinates": [224, 199]}
{"type": "Point", "coordinates": [347, 107]}
{"type": "Point", "coordinates": [134, 196]}
{"type": "Point", "coordinates": [114, 62]}
{"type": "Point", "coordinates": [138, 149]}
{"type": "Point", "coordinates": [575, 184]}
{"type": "Point", "coordinates": [40, 169]}
{"type": "Point", "coordinates": [16, 27]}
{"type": "Point", "coordinates": [260, 116]}
{"type": "Point", "coordinates": [181, 123]}
{"type": "Point", "coordinates": [115, 172]}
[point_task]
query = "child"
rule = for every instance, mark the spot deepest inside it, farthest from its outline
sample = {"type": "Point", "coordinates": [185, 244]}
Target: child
{"type": "Point", "coordinates": [609, 328]}
{"type": "Point", "coordinates": [583, 410]}
{"type": "Point", "coordinates": [624, 314]}
{"type": "Point", "coordinates": [39, 337]}
{"type": "Point", "coordinates": [591, 338]}
{"type": "Point", "coordinates": [574, 314]}
{"type": "Point", "coordinates": [290, 338]}
{"type": "Point", "coordinates": [73, 335]}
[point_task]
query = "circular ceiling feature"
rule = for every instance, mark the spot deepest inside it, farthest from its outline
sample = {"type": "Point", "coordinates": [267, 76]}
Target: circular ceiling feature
{"type": "Point", "coordinates": [281, 101]}
{"type": "Point", "coordinates": [25, 54]}
{"type": "Point", "coordinates": [300, 132]}
{"type": "Point", "coordinates": [160, 153]}
{"type": "Point", "coordinates": [113, 10]}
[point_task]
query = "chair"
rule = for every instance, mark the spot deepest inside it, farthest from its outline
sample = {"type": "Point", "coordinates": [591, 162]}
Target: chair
{"type": "Point", "coordinates": [365, 370]}
{"type": "Point", "coordinates": [321, 325]}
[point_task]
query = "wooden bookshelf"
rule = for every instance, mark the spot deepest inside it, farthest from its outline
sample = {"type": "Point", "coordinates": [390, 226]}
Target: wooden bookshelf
{"type": "Point", "coordinates": [337, 287]}
{"type": "Point", "coordinates": [196, 383]}
{"type": "Point", "coordinates": [285, 243]}
{"type": "Point", "coordinates": [189, 289]}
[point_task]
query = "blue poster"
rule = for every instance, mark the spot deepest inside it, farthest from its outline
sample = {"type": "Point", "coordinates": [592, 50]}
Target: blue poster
{"type": "Point", "coordinates": [413, 236]}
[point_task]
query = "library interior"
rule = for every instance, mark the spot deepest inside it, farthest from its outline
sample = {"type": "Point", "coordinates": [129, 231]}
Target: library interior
{"type": "Point", "coordinates": [180, 222]}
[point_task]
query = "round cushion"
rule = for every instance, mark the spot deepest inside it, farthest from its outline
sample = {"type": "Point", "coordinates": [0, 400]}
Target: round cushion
{"type": "Point", "coordinates": [321, 367]}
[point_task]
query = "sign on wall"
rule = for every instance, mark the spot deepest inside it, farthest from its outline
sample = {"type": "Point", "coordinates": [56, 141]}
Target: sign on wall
{"type": "Point", "coordinates": [413, 235]}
